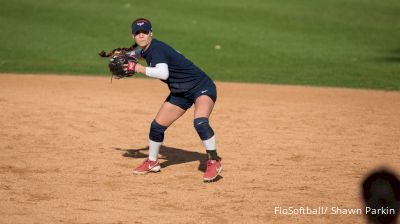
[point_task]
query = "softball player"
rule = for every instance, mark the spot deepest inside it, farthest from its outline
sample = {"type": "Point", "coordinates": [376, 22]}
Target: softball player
{"type": "Point", "coordinates": [188, 85]}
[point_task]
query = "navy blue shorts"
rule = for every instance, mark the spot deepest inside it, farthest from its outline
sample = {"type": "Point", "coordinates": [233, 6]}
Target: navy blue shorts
{"type": "Point", "coordinates": [186, 100]}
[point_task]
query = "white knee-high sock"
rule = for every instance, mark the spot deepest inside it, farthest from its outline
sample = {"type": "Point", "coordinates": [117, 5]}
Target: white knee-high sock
{"type": "Point", "coordinates": [154, 148]}
{"type": "Point", "coordinates": [209, 144]}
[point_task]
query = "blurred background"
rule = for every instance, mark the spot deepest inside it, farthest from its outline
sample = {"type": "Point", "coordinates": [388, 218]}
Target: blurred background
{"type": "Point", "coordinates": [346, 43]}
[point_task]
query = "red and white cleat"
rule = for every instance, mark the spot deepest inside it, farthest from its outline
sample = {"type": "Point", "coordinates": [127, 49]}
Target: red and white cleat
{"type": "Point", "coordinates": [214, 168]}
{"type": "Point", "coordinates": [148, 166]}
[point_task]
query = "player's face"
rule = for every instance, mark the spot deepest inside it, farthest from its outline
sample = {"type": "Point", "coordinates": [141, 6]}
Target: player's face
{"type": "Point", "coordinates": [143, 39]}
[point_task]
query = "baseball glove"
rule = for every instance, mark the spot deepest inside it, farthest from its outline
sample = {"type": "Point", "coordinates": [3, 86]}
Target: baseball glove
{"type": "Point", "coordinates": [121, 63]}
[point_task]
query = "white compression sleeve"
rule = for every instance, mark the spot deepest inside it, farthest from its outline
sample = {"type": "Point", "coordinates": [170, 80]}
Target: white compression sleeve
{"type": "Point", "coordinates": [160, 71]}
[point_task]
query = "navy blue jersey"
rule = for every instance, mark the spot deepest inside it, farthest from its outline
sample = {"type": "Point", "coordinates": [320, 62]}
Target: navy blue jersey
{"type": "Point", "coordinates": [183, 74]}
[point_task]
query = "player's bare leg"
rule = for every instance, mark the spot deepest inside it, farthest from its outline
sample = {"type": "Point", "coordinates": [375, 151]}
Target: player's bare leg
{"type": "Point", "coordinates": [203, 108]}
{"type": "Point", "coordinates": [167, 114]}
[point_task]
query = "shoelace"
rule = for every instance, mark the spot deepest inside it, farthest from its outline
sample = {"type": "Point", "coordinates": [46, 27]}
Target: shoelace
{"type": "Point", "coordinates": [146, 162]}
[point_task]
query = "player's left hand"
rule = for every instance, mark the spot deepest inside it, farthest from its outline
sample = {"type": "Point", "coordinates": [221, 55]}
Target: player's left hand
{"type": "Point", "coordinates": [122, 66]}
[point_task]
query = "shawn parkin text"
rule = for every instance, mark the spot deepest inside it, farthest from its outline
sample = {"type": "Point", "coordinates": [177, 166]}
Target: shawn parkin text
{"type": "Point", "coordinates": [332, 211]}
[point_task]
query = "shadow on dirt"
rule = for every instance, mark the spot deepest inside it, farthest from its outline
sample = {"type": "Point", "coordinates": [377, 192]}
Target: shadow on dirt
{"type": "Point", "coordinates": [172, 156]}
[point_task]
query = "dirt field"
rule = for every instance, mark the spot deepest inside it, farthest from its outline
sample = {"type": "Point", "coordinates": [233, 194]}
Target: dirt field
{"type": "Point", "coordinates": [69, 145]}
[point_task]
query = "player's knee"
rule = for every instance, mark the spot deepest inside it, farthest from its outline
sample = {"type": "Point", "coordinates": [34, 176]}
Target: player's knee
{"type": "Point", "coordinates": [157, 132]}
{"type": "Point", "coordinates": [203, 128]}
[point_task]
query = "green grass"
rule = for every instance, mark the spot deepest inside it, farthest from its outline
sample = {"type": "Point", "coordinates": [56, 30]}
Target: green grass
{"type": "Point", "coordinates": [346, 43]}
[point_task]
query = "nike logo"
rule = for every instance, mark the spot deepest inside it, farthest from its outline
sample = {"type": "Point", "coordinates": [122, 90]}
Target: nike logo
{"type": "Point", "coordinates": [204, 91]}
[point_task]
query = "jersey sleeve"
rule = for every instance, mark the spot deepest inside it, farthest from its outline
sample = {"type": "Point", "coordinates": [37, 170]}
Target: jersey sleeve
{"type": "Point", "coordinates": [158, 56]}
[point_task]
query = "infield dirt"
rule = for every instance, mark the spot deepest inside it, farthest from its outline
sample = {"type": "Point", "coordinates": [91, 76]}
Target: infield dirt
{"type": "Point", "coordinates": [69, 145]}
